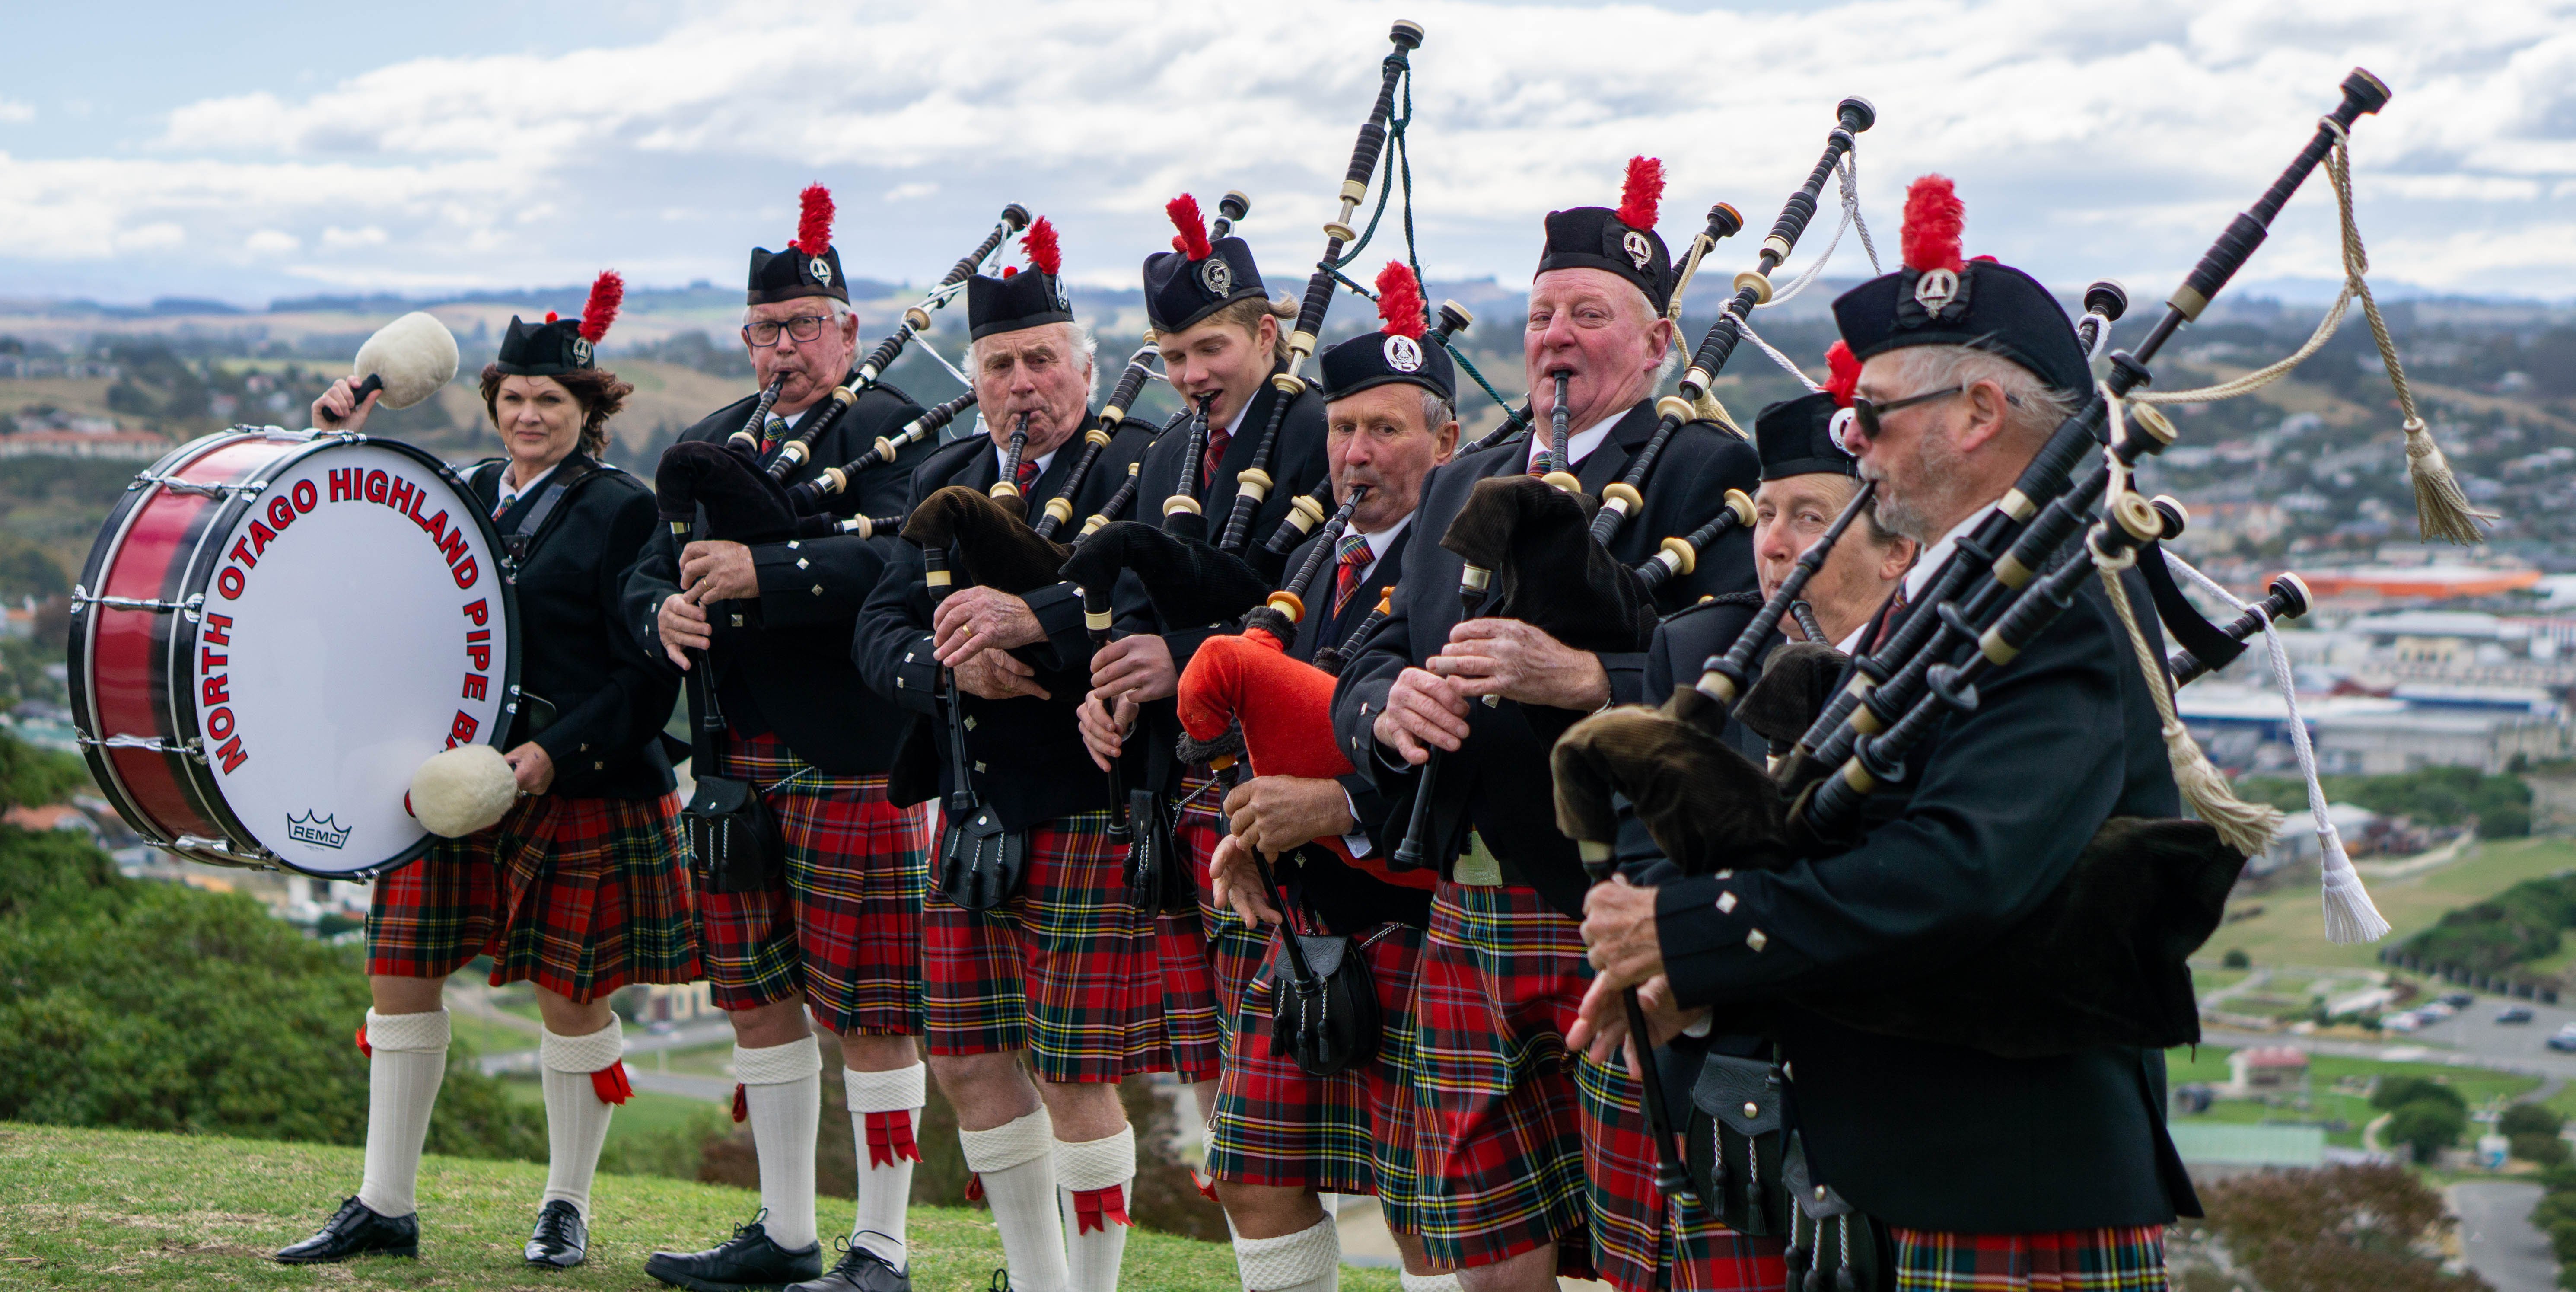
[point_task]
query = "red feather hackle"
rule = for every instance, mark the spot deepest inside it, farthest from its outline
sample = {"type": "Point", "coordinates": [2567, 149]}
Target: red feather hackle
{"type": "Point", "coordinates": [1399, 301]}
{"type": "Point", "coordinates": [1934, 215]}
{"type": "Point", "coordinates": [814, 220]}
{"type": "Point", "coordinates": [1193, 241]}
{"type": "Point", "coordinates": [607, 292]}
{"type": "Point", "coordinates": [1843, 374]}
{"type": "Point", "coordinates": [1044, 255]}
{"type": "Point", "coordinates": [1641, 198]}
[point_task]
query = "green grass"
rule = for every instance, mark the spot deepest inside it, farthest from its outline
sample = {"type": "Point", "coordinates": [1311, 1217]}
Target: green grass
{"type": "Point", "coordinates": [2325, 1103]}
{"type": "Point", "coordinates": [644, 1111]}
{"type": "Point", "coordinates": [2291, 929]}
{"type": "Point", "coordinates": [87, 1208]}
{"type": "Point", "coordinates": [487, 1036]}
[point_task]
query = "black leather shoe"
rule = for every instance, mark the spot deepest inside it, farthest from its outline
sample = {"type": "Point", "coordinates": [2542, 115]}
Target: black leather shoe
{"type": "Point", "coordinates": [355, 1230]}
{"type": "Point", "coordinates": [859, 1270]}
{"type": "Point", "coordinates": [561, 1240]}
{"type": "Point", "coordinates": [745, 1261]}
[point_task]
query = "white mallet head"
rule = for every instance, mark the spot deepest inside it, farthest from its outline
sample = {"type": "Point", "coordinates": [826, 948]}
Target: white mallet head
{"type": "Point", "coordinates": [459, 791]}
{"type": "Point", "coordinates": [411, 357]}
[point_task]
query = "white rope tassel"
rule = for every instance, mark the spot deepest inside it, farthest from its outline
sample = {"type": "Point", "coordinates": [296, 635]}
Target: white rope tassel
{"type": "Point", "coordinates": [1745, 327]}
{"type": "Point", "coordinates": [2246, 827]}
{"type": "Point", "coordinates": [2349, 913]}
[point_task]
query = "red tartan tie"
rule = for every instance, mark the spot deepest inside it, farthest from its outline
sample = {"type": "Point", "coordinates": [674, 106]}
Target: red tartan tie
{"type": "Point", "coordinates": [1355, 557]}
{"type": "Point", "coordinates": [1887, 621]}
{"type": "Point", "coordinates": [1218, 438]}
{"type": "Point", "coordinates": [1027, 476]}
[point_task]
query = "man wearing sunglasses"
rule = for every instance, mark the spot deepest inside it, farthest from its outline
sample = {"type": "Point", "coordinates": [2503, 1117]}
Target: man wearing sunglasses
{"type": "Point", "coordinates": [2011, 1172]}
{"type": "Point", "coordinates": [839, 932]}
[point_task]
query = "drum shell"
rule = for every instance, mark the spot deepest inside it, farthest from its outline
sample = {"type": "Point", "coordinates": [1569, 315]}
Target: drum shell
{"type": "Point", "coordinates": [133, 673]}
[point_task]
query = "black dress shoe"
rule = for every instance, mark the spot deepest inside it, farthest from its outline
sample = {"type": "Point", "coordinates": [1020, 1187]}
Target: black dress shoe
{"type": "Point", "coordinates": [745, 1261]}
{"type": "Point", "coordinates": [355, 1230]}
{"type": "Point", "coordinates": [860, 1270]}
{"type": "Point", "coordinates": [561, 1240]}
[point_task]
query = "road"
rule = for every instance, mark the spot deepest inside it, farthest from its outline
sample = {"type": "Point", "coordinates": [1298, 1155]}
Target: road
{"type": "Point", "coordinates": [2470, 1038]}
{"type": "Point", "coordinates": [2497, 1238]}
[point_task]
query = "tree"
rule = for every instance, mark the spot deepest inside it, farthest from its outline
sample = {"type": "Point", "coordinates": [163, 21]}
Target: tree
{"type": "Point", "coordinates": [2529, 1119]}
{"type": "Point", "coordinates": [2397, 1092]}
{"type": "Point", "coordinates": [2333, 1229]}
{"type": "Point", "coordinates": [2427, 1126]}
{"type": "Point", "coordinates": [2236, 959]}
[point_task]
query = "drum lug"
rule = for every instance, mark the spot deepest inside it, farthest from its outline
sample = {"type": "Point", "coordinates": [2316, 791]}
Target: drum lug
{"type": "Point", "coordinates": [173, 484]}
{"type": "Point", "coordinates": [191, 608]}
{"type": "Point", "coordinates": [193, 750]}
{"type": "Point", "coordinates": [254, 858]}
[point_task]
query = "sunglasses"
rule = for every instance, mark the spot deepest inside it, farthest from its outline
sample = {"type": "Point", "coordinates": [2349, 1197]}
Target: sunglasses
{"type": "Point", "coordinates": [1867, 413]}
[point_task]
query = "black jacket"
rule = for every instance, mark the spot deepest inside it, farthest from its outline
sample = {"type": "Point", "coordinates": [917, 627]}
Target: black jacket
{"type": "Point", "coordinates": [782, 662]}
{"type": "Point", "coordinates": [1937, 1136]}
{"type": "Point", "coordinates": [1684, 641]}
{"type": "Point", "coordinates": [1027, 758]}
{"type": "Point", "coordinates": [608, 700]}
{"type": "Point", "coordinates": [1296, 467]}
{"type": "Point", "coordinates": [1499, 781]}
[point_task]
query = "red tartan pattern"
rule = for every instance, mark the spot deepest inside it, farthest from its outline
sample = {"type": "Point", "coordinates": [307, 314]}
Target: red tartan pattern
{"type": "Point", "coordinates": [1226, 953]}
{"type": "Point", "coordinates": [843, 925]}
{"type": "Point", "coordinates": [2124, 1259]}
{"type": "Point", "coordinates": [580, 896]}
{"type": "Point", "coordinates": [1351, 1132]}
{"type": "Point", "coordinates": [1068, 970]}
{"type": "Point", "coordinates": [1497, 1145]}
{"type": "Point", "coordinates": [1635, 1232]}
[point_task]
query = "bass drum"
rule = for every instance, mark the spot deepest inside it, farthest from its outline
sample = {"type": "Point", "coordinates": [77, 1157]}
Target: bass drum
{"type": "Point", "coordinates": [272, 632]}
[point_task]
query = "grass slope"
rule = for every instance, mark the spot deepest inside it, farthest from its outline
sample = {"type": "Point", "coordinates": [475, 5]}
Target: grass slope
{"type": "Point", "coordinates": [88, 1208]}
{"type": "Point", "coordinates": [2291, 929]}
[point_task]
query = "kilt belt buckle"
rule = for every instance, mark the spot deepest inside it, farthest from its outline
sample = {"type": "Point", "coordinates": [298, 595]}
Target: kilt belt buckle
{"type": "Point", "coordinates": [1477, 867]}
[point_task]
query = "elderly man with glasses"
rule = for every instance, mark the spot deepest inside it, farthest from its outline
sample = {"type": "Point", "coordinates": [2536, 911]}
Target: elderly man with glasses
{"type": "Point", "coordinates": [838, 932]}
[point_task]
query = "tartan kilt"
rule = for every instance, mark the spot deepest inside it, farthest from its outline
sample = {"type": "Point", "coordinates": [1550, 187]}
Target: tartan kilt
{"type": "Point", "coordinates": [2123, 1259]}
{"type": "Point", "coordinates": [1212, 959]}
{"type": "Point", "coordinates": [1635, 1230]}
{"type": "Point", "coordinates": [842, 925]}
{"type": "Point", "coordinates": [1068, 969]}
{"type": "Point", "coordinates": [1498, 1140]}
{"type": "Point", "coordinates": [1351, 1132]}
{"type": "Point", "coordinates": [580, 896]}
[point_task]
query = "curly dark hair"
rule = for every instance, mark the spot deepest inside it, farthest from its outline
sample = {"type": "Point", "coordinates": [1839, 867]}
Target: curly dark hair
{"type": "Point", "coordinates": [597, 390]}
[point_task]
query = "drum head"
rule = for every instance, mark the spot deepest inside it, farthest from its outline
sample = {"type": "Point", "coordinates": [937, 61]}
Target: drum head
{"type": "Point", "coordinates": [356, 621]}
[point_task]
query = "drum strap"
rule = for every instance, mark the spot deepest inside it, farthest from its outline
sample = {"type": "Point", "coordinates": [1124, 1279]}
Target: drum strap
{"type": "Point", "coordinates": [533, 512]}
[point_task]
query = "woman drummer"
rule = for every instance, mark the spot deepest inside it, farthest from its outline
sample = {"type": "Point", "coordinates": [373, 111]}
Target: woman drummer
{"type": "Point", "coordinates": [580, 890]}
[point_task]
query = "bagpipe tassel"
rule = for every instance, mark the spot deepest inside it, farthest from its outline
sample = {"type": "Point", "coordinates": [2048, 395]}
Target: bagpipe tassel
{"type": "Point", "coordinates": [2441, 510]}
{"type": "Point", "coordinates": [2350, 914]}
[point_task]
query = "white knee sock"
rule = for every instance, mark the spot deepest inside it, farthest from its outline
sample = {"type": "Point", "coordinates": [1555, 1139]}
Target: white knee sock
{"type": "Point", "coordinates": [1016, 1163]}
{"type": "Point", "coordinates": [407, 1063]}
{"type": "Point", "coordinates": [782, 1085]}
{"type": "Point", "coordinates": [1309, 1260]}
{"type": "Point", "coordinates": [893, 1101]}
{"type": "Point", "coordinates": [1096, 1173]}
{"type": "Point", "coordinates": [1429, 1282]}
{"type": "Point", "coordinates": [576, 1113]}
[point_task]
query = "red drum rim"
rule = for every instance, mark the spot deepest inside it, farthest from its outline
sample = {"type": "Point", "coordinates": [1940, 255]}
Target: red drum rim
{"type": "Point", "coordinates": [154, 775]}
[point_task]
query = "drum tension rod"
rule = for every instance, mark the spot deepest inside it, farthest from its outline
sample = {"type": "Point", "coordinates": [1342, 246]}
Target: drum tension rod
{"type": "Point", "coordinates": [190, 748]}
{"type": "Point", "coordinates": [174, 484]}
{"type": "Point", "coordinates": [254, 858]}
{"type": "Point", "coordinates": [81, 600]}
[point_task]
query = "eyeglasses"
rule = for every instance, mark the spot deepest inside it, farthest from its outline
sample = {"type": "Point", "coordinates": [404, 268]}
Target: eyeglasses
{"type": "Point", "coordinates": [804, 327]}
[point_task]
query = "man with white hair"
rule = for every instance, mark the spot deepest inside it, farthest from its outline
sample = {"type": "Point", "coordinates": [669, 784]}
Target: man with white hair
{"type": "Point", "coordinates": [1521, 1147]}
{"type": "Point", "coordinates": [839, 931]}
{"type": "Point", "coordinates": [1056, 973]}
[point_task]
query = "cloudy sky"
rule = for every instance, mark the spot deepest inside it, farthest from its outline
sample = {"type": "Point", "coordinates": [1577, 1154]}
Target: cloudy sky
{"type": "Point", "coordinates": [201, 150]}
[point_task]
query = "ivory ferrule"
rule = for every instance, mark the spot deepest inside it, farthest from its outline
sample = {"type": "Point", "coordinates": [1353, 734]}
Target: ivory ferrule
{"type": "Point", "coordinates": [1181, 503]}
{"type": "Point", "coordinates": [1755, 282]}
{"type": "Point", "coordinates": [1996, 650]}
{"type": "Point", "coordinates": [1684, 557]}
{"type": "Point", "coordinates": [2010, 572]}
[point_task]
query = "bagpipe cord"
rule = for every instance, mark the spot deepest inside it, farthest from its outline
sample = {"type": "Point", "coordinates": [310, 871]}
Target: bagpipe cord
{"type": "Point", "coordinates": [2441, 510]}
{"type": "Point", "coordinates": [2349, 913]}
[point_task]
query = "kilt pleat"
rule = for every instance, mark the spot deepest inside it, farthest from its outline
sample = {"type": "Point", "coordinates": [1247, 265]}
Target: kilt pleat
{"type": "Point", "coordinates": [2121, 1259]}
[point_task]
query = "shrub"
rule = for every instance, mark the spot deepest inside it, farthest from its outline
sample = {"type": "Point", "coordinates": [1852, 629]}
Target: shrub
{"type": "Point", "coordinates": [2537, 1149]}
{"type": "Point", "coordinates": [2397, 1092]}
{"type": "Point", "coordinates": [2236, 959]}
{"type": "Point", "coordinates": [2529, 1119]}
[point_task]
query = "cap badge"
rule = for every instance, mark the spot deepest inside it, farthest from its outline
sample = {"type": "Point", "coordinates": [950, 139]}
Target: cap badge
{"type": "Point", "coordinates": [821, 270]}
{"type": "Point", "coordinates": [580, 352]}
{"type": "Point", "coordinates": [1217, 276]}
{"type": "Point", "coordinates": [1933, 289]}
{"type": "Point", "coordinates": [1641, 251]}
{"type": "Point", "coordinates": [1063, 298]}
{"type": "Point", "coordinates": [1839, 431]}
{"type": "Point", "coordinates": [1403, 354]}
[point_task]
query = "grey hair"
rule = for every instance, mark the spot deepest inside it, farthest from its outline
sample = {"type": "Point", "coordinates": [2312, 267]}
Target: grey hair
{"type": "Point", "coordinates": [840, 309]}
{"type": "Point", "coordinates": [1083, 341]}
{"type": "Point", "coordinates": [1437, 411]}
{"type": "Point", "coordinates": [2032, 410]}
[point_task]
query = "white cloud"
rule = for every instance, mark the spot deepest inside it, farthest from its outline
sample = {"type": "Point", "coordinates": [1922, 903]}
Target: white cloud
{"type": "Point", "coordinates": [2085, 143]}
{"type": "Point", "coordinates": [13, 112]}
{"type": "Point", "coordinates": [272, 242]}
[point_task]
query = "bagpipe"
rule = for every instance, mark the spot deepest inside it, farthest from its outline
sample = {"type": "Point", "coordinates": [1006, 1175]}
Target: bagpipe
{"type": "Point", "coordinates": [1308, 509]}
{"type": "Point", "coordinates": [2101, 960]}
{"type": "Point", "coordinates": [916, 320]}
{"type": "Point", "coordinates": [747, 501]}
{"type": "Point", "coordinates": [1253, 483]}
